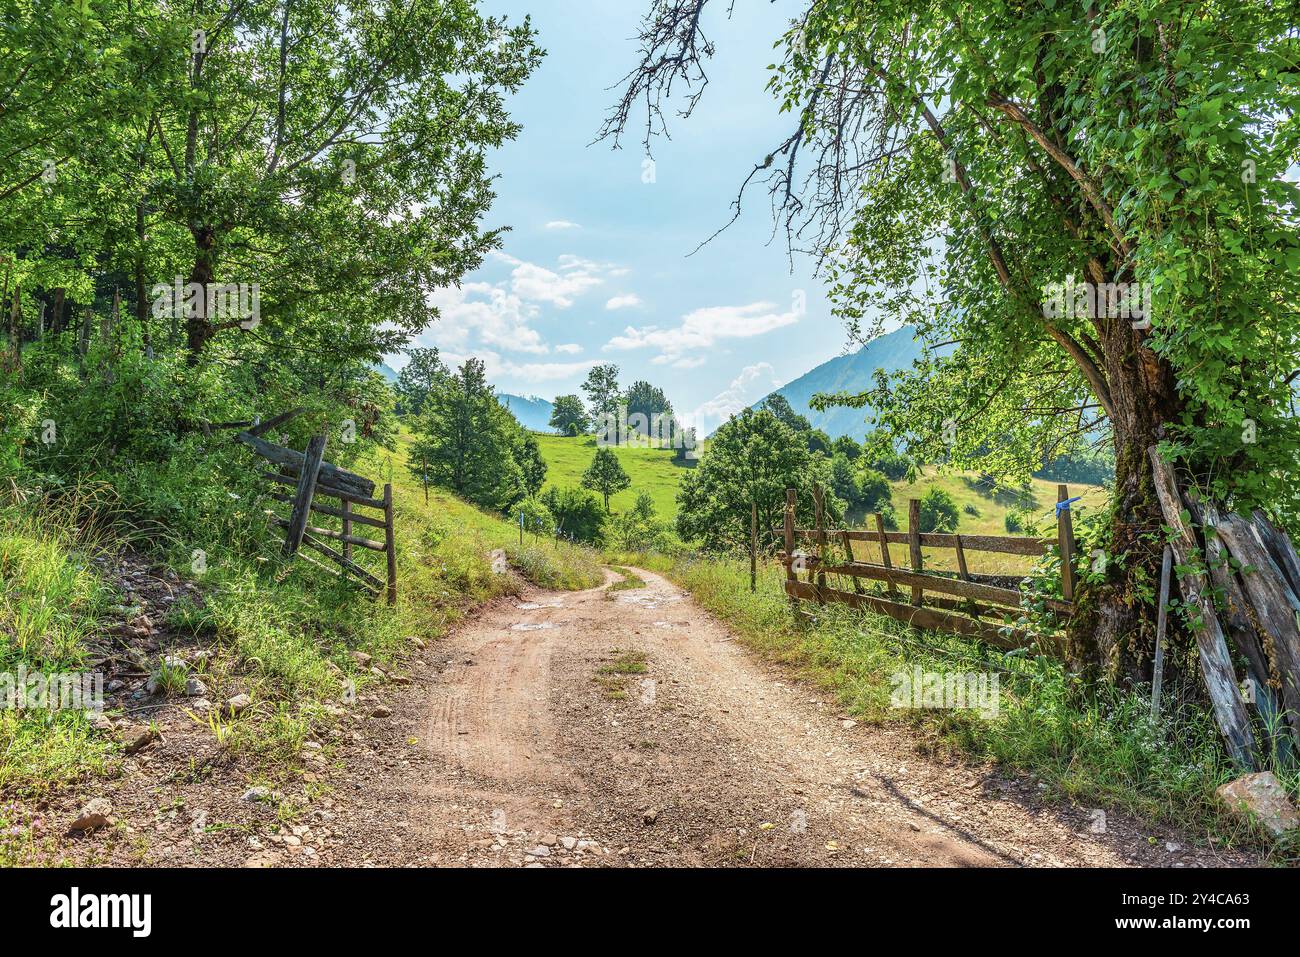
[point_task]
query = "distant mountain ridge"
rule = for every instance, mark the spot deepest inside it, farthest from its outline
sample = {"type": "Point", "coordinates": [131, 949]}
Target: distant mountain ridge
{"type": "Point", "coordinates": [850, 373]}
{"type": "Point", "coordinates": [531, 411]}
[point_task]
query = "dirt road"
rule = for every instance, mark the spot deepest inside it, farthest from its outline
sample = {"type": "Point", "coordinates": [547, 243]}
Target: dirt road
{"type": "Point", "coordinates": [628, 728]}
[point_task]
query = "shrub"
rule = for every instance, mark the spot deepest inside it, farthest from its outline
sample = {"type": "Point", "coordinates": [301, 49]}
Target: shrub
{"type": "Point", "coordinates": [938, 511]}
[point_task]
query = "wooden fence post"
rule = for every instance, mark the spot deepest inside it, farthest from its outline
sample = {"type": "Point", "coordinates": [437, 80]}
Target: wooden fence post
{"type": "Point", "coordinates": [1065, 542]}
{"type": "Point", "coordinates": [1162, 619]}
{"type": "Point", "coordinates": [390, 545]}
{"type": "Point", "coordinates": [347, 529]}
{"type": "Point", "coordinates": [884, 553]}
{"type": "Point", "coordinates": [914, 543]}
{"type": "Point", "coordinates": [819, 509]}
{"type": "Point", "coordinates": [753, 546]}
{"type": "Point", "coordinates": [302, 498]}
{"type": "Point", "coordinates": [790, 575]}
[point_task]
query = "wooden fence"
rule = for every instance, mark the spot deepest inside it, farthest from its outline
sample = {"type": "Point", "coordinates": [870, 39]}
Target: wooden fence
{"type": "Point", "coordinates": [964, 603]}
{"type": "Point", "coordinates": [310, 476]}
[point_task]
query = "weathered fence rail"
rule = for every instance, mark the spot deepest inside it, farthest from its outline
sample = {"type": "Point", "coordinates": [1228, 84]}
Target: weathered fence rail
{"type": "Point", "coordinates": [957, 602]}
{"type": "Point", "coordinates": [311, 477]}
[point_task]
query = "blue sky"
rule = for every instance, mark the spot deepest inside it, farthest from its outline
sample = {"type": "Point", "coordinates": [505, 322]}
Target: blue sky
{"type": "Point", "coordinates": [596, 269]}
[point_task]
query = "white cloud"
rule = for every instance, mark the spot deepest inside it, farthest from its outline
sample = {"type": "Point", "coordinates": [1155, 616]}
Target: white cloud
{"type": "Point", "coordinates": [630, 301]}
{"type": "Point", "coordinates": [703, 328]}
{"type": "Point", "coordinates": [752, 384]}
{"type": "Point", "coordinates": [569, 349]}
{"type": "Point", "coordinates": [538, 284]}
{"type": "Point", "coordinates": [487, 314]}
{"type": "Point", "coordinates": [562, 224]}
{"type": "Point", "coordinates": [532, 373]}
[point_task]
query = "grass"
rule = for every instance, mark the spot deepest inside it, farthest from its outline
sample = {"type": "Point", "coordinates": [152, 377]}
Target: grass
{"type": "Point", "coordinates": [50, 603]}
{"type": "Point", "coordinates": [630, 581]}
{"type": "Point", "coordinates": [612, 677]}
{"type": "Point", "coordinates": [652, 470]}
{"type": "Point", "coordinates": [1106, 752]}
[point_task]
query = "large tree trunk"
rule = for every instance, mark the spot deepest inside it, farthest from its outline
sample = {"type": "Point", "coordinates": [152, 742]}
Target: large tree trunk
{"type": "Point", "coordinates": [1113, 634]}
{"type": "Point", "coordinates": [198, 327]}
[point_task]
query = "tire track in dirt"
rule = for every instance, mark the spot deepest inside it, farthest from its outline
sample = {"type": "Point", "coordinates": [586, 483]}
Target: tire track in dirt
{"type": "Point", "coordinates": [706, 757]}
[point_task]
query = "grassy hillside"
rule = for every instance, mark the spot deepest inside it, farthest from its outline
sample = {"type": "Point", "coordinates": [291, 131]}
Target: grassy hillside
{"type": "Point", "coordinates": [652, 470]}
{"type": "Point", "coordinates": [656, 472]}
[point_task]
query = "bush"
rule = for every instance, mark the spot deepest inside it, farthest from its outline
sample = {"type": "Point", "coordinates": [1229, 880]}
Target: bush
{"type": "Point", "coordinates": [972, 510]}
{"type": "Point", "coordinates": [578, 514]}
{"type": "Point", "coordinates": [1014, 523]}
{"type": "Point", "coordinates": [538, 519]}
{"type": "Point", "coordinates": [938, 512]}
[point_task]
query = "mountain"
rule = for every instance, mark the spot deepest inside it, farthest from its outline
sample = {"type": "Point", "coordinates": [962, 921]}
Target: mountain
{"type": "Point", "coordinates": [385, 370]}
{"type": "Point", "coordinates": [850, 373]}
{"type": "Point", "coordinates": [531, 411]}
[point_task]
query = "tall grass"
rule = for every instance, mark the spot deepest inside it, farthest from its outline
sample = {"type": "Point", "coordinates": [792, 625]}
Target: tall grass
{"type": "Point", "coordinates": [50, 604]}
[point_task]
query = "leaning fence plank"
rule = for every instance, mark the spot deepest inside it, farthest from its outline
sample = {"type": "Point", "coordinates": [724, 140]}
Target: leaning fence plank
{"type": "Point", "coordinates": [338, 558]}
{"type": "Point", "coordinates": [1216, 663]}
{"type": "Point", "coordinates": [292, 459]}
{"type": "Point", "coordinates": [819, 509]}
{"type": "Point", "coordinates": [302, 499]}
{"type": "Point", "coordinates": [1162, 619]}
{"type": "Point", "coordinates": [884, 551]}
{"type": "Point", "coordinates": [962, 571]}
{"type": "Point", "coordinates": [914, 544]}
{"type": "Point", "coordinates": [390, 545]}
{"type": "Point", "coordinates": [1065, 540]}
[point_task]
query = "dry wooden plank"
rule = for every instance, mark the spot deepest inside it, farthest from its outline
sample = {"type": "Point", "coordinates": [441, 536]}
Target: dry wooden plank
{"type": "Point", "coordinates": [962, 571]}
{"type": "Point", "coordinates": [258, 431]}
{"type": "Point", "coordinates": [1000, 544]}
{"type": "Point", "coordinates": [302, 498]}
{"type": "Point", "coordinates": [338, 558]}
{"type": "Point", "coordinates": [336, 572]}
{"type": "Point", "coordinates": [1236, 616]}
{"type": "Point", "coordinates": [929, 581]}
{"type": "Point", "coordinates": [1216, 663]}
{"type": "Point", "coordinates": [350, 516]}
{"type": "Point", "coordinates": [292, 460]}
{"type": "Point", "coordinates": [884, 549]}
{"type": "Point", "coordinates": [390, 545]}
{"type": "Point", "coordinates": [347, 529]}
{"type": "Point", "coordinates": [1280, 549]}
{"type": "Point", "coordinates": [1274, 606]}
{"type": "Point", "coordinates": [926, 618]}
{"type": "Point", "coordinates": [914, 544]}
{"type": "Point", "coordinates": [1065, 541]}
{"type": "Point", "coordinates": [1162, 622]}
{"type": "Point", "coordinates": [848, 550]}
{"type": "Point", "coordinates": [337, 537]}
{"type": "Point", "coordinates": [329, 490]}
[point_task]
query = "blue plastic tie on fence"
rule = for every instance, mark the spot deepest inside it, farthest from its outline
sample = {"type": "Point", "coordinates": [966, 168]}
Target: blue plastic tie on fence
{"type": "Point", "coordinates": [1065, 506]}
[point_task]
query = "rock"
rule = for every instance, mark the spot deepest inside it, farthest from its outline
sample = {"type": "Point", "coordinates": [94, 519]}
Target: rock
{"type": "Point", "coordinates": [152, 685]}
{"type": "Point", "coordinates": [176, 661]}
{"type": "Point", "coordinates": [96, 814]}
{"type": "Point", "coordinates": [140, 739]}
{"type": "Point", "coordinates": [541, 850]}
{"type": "Point", "coordinates": [361, 658]}
{"type": "Point", "coordinates": [418, 642]}
{"type": "Point", "coordinates": [848, 723]}
{"type": "Point", "coordinates": [550, 840]}
{"type": "Point", "coordinates": [200, 705]}
{"type": "Point", "coordinates": [649, 817]}
{"type": "Point", "coordinates": [569, 843]}
{"type": "Point", "coordinates": [239, 704]}
{"type": "Point", "coordinates": [1261, 798]}
{"type": "Point", "coordinates": [195, 688]}
{"type": "Point", "coordinates": [383, 711]}
{"type": "Point", "coordinates": [258, 793]}
{"type": "Point", "coordinates": [101, 722]}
